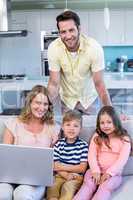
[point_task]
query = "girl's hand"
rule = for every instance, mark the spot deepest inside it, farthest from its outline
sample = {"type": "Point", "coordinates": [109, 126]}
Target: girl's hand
{"type": "Point", "coordinates": [96, 177]}
{"type": "Point", "coordinates": [104, 177]}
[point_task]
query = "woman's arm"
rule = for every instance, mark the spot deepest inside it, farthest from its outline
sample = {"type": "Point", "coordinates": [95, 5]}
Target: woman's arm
{"type": "Point", "coordinates": [8, 137]}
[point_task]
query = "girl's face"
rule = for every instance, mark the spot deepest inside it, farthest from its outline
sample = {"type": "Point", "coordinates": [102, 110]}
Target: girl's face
{"type": "Point", "coordinates": [71, 130]}
{"type": "Point", "coordinates": [106, 124]}
{"type": "Point", "coordinates": [39, 105]}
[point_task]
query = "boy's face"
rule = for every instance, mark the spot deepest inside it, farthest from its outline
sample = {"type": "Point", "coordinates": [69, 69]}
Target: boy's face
{"type": "Point", "coordinates": [71, 130]}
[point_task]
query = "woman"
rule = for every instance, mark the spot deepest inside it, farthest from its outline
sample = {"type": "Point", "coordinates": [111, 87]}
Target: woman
{"type": "Point", "coordinates": [34, 127]}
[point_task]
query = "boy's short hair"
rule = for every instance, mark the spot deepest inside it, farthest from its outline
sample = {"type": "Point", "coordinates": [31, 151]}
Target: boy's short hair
{"type": "Point", "coordinates": [72, 115]}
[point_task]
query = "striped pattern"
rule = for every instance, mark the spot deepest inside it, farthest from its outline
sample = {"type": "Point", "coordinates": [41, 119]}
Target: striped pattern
{"type": "Point", "coordinates": [74, 153]}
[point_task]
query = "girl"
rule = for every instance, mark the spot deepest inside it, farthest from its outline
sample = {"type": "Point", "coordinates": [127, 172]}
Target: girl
{"type": "Point", "coordinates": [109, 150]}
{"type": "Point", "coordinates": [34, 127]}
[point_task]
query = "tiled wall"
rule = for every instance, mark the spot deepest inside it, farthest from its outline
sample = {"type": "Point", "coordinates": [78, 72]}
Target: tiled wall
{"type": "Point", "coordinates": [112, 52]}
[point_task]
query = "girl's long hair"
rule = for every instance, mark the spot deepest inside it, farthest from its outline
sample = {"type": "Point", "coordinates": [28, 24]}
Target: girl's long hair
{"type": "Point", "coordinates": [26, 112]}
{"type": "Point", "coordinates": [119, 130]}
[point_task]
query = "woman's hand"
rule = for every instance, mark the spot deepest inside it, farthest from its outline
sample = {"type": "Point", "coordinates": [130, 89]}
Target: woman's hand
{"type": "Point", "coordinates": [104, 177]}
{"type": "Point", "coordinates": [96, 177]}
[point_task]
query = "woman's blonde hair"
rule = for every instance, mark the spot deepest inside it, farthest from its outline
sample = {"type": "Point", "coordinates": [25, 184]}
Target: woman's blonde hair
{"type": "Point", "coordinates": [26, 112]}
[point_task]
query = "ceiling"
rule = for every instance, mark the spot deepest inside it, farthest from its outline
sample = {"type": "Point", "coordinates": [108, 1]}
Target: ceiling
{"type": "Point", "coordinates": [71, 4]}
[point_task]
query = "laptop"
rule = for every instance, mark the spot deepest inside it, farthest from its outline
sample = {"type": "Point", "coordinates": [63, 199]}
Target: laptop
{"type": "Point", "coordinates": [26, 165]}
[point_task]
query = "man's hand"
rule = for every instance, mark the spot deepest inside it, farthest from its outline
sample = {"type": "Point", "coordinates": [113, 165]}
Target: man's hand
{"type": "Point", "coordinates": [96, 177]}
{"type": "Point", "coordinates": [104, 177]}
{"type": "Point", "coordinates": [124, 117]}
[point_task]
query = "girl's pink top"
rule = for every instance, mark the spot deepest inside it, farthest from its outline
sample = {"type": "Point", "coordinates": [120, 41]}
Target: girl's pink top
{"type": "Point", "coordinates": [22, 136]}
{"type": "Point", "coordinates": [109, 160]}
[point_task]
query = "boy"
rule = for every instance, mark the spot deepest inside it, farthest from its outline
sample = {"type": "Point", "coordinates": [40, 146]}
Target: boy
{"type": "Point", "coordinates": [70, 159]}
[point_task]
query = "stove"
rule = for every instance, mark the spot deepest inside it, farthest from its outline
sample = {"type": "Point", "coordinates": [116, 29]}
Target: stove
{"type": "Point", "coordinates": [12, 76]}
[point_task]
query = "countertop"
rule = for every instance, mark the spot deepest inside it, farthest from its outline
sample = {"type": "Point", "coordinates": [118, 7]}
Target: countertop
{"type": "Point", "coordinates": [113, 80]}
{"type": "Point", "coordinates": [118, 80]}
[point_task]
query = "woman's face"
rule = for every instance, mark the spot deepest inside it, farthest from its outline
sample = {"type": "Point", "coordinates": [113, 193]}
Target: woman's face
{"type": "Point", "coordinates": [39, 105]}
{"type": "Point", "coordinates": [106, 124]}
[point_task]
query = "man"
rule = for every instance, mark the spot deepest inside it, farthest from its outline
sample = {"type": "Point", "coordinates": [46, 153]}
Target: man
{"type": "Point", "coordinates": [76, 66]}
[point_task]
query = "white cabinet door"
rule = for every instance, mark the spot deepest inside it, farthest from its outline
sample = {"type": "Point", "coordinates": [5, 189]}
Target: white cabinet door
{"type": "Point", "coordinates": [84, 21]}
{"type": "Point", "coordinates": [96, 26]}
{"type": "Point", "coordinates": [48, 19]}
{"type": "Point", "coordinates": [116, 34]}
{"type": "Point", "coordinates": [23, 54]}
{"type": "Point", "coordinates": [129, 27]}
{"type": "Point", "coordinates": [18, 20]}
{"type": "Point", "coordinates": [34, 44]}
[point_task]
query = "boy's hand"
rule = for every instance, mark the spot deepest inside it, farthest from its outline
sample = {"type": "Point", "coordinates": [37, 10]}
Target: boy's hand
{"type": "Point", "coordinates": [73, 176]}
{"type": "Point", "coordinates": [96, 177]}
{"type": "Point", "coordinates": [104, 177]}
{"type": "Point", "coordinates": [70, 176]}
{"type": "Point", "coordinates": [63, 174]}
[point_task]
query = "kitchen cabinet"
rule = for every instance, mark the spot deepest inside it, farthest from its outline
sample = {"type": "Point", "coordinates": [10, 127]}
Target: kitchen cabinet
{"type": "Point", "coordinates": [96, 27]}
{"type": "Point", "coordinates": [116, 32]}
{"type": "Point", "coordinates": [115, 35]}
{"type": "Point", "coordinates": [84, 20]}
{"type": "Point", "coordinates": [22, 54]}
{"type": "Point", "coordinates": [129, 27]}
{"type": "Point", "coordinates": [34, 44]}
{"type": "Point", "coordinates": [48, 19]}
{"type": "Point", "coordinates": [18, 20]}
{"type": "Point", "coordinates": [120, 31]}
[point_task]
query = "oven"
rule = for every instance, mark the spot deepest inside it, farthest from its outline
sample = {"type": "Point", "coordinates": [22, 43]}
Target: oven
{"type": "Point", "coordinates": [46, 39]}
{"type": "Point", "coordinates": [11, 94]}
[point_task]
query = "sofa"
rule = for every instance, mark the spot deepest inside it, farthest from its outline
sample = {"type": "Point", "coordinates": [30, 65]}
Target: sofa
{"type": "Point", "coordinates": [125, 192]}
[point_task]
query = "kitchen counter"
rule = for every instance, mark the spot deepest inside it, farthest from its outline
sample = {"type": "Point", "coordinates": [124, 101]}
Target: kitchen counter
{"type": "Point", "coordinates": [113, 80]}
{"type": "Point", "coordinates": [117, 80]}
{"type": "Point", "coordinates": [21, 85]}
{"type": "Point", "coordinates": [10, 89]}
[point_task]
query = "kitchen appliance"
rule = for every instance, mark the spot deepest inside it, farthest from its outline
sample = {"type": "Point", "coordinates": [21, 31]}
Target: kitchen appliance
{"type": "Point", "coordinates": [14, 33]}
{"type": "Point", "coordinates": [6, 77]}
{"type": "Point", "coordinates": [5, 15]}
{"type": "Point", "coordinates": [11, 98]}
{"type": "Point", "coordinates": [46, 39]}
{"type": "Point", "coordinates": [121, 63]}
{"type": "Point", "coordinates": [130, 65]}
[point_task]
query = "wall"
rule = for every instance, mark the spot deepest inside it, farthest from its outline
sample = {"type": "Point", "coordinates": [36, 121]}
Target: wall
{"type": "Point", "coordinates": [23, 55]}
{"type": "Point", "coordinates": [112, 52]}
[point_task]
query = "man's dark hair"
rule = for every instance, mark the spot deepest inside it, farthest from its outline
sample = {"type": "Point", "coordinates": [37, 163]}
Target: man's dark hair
{"type": "Point", "coordinates": [68, 15]}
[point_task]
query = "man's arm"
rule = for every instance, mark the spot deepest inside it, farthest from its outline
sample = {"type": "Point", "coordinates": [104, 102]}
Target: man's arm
{"type": "Point", "coordinates": [100, 87]}
{"type": "Point", "coordinates": [54, 85]}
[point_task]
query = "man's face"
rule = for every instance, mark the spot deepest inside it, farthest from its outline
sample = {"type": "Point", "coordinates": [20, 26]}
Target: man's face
{"type": "Point", "coordinates": [69, 34]}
